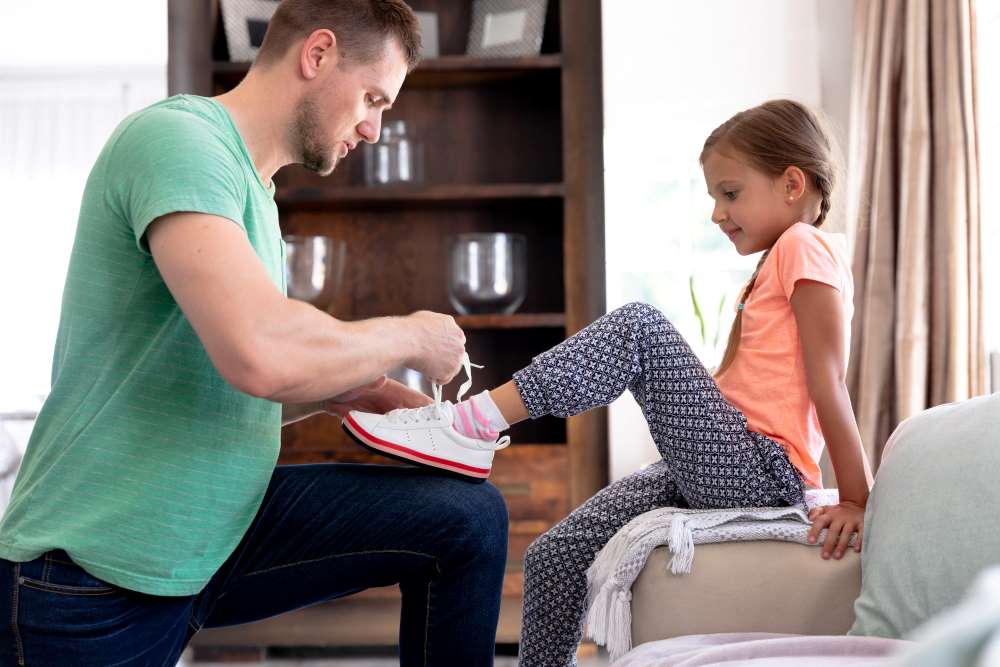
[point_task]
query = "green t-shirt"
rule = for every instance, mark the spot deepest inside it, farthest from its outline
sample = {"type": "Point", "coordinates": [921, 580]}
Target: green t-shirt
{"type": "Point", "coordinates": [144, 465]}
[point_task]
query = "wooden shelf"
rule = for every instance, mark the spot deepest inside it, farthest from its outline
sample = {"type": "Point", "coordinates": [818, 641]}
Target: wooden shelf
{"type": "Point", "coordinates": [516, 321]}
{"type": "Point", "coordinates": [447, 70]}
{"type": "Point", "coordinates": [467, 70]}
{"type": "Point", "coordinates": [436, 195]}
{"type": "Point", "coordinates": [474, 63]}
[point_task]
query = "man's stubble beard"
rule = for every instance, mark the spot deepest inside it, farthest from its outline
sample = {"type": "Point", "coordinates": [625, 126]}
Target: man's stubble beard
{"type": "Point", "coordinates": [314, 151]}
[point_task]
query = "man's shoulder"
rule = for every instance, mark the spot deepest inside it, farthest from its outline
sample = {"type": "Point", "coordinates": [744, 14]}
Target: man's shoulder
{"type": "Point", "coordinates": [183, 118]}
{"type": "Point", "coordinates": [181, 132]}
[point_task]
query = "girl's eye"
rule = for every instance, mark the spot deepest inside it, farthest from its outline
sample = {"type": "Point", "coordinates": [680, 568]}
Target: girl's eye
{"type": "Point", "coordinates": [731, 195]}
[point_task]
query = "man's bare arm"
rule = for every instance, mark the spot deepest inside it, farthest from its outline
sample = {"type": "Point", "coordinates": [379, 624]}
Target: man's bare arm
{"type": "Point", "coordinates": [277, 348]}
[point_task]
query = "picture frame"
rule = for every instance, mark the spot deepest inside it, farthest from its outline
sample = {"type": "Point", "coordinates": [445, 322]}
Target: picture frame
{"type": "Point", "coordinates": [245, 23]}
{"type": "Point", "coordinates": [428, 34]}
{"type": "Point", "coordinates": [506, 28]}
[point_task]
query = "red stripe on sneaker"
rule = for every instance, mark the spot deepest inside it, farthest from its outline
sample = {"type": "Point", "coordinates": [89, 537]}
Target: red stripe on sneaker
{"type": "Point", "coordinates": [410, 452]}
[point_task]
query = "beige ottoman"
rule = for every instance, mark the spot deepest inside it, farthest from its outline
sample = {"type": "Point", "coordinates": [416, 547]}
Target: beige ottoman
{"type": "Point", "coordinates": [767, 586]}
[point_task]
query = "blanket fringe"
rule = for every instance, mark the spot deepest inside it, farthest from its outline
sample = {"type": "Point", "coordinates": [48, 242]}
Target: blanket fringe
{"type": "Point", "coordinates": [681, 543]}
{"type": "Point", "coordinates": [620, 632]}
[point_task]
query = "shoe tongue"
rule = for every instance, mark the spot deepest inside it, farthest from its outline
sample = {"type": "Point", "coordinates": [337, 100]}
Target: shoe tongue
{"type": "Point", "coordinates": [447, 409]}
{"type": "Point", "coordinates": [443, 410]}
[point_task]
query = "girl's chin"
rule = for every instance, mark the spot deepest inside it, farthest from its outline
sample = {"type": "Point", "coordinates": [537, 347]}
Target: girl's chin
{"type": "Point", "coordinates": [744, 247]}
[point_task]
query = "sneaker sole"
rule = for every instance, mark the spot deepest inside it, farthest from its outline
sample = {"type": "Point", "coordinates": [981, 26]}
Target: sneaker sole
{"type": "Point", "coordinates": [400, 453]}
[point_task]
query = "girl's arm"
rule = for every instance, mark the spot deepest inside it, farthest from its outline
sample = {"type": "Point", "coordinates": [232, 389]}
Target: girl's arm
{"type": "Point", "coordinates": [820, 318]}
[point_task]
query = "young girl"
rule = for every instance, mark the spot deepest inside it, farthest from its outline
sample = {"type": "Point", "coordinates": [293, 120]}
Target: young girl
{"type": "Point", "coordinates": [749, 436]}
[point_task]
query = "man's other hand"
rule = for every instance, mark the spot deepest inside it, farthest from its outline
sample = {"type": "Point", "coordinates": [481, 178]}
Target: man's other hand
{"type": "Point", "coordinates": [379, 397]}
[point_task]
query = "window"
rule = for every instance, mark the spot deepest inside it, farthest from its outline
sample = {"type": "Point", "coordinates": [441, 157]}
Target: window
{"type": "Point", "coordinates": [57, 108]}
{"type": "Point", "coordinates": [988, 80]}
{"type": "Point", "coordinates": [672, 73]}
{"type": "Point", "coordinates": [54, 125]}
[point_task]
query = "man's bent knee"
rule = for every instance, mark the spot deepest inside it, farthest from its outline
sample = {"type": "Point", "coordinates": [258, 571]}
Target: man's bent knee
{"type": "Point", "coordinates": [479, 511]}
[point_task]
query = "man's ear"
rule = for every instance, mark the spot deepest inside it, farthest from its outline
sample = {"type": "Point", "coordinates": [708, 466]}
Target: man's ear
{"type": "Point", "coordinates": [319, 50]}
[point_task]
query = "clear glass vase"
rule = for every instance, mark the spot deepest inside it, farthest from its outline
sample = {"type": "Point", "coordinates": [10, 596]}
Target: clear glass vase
{"type": "Point", "coordinates": [396, 159]}
{"type": "Point", "coordinates": [314, 266]}
{"type": "Point", "coordinates": [488, 273]}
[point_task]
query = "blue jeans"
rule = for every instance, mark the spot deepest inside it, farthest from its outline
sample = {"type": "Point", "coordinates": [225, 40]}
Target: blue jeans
{"type": "Point", "coordinates": [322, 532]}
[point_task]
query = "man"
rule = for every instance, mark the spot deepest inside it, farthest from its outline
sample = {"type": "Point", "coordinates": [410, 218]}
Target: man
{"type": "Point", "coordinates": [148, 505]}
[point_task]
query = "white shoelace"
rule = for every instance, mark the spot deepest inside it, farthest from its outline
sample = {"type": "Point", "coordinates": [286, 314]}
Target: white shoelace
{"type": "Point", "coordinates": [433, 411]}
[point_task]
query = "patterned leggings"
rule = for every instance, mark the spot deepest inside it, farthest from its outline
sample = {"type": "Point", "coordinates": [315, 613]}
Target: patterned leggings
{"type": "Point", "coordinates": [710, 459]}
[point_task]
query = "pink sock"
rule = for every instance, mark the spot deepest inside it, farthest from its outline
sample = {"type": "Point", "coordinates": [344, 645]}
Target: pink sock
{"type": "Point", "coordinates": [479, 418]}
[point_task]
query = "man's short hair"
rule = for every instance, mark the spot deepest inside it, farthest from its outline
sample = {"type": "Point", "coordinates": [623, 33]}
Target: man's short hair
{"type": "Point", "coordinates": [361, 27]}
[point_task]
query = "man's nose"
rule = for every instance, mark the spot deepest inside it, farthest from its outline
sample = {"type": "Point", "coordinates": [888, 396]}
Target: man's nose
{"type": "Point", "coordinates": [369, 130]}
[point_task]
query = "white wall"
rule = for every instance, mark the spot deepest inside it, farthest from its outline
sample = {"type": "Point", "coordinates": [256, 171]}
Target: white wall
{"type": "Point", "coordinates": [672, 72]}
{"type": "Point", "coordinates": [69, 72]}
{"type": "Point", "coordinates": [835, 19]}
{"type": "Point", "coordinates": [83, 34]}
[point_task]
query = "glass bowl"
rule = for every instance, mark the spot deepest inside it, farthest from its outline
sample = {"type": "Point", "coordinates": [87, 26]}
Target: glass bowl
{"type": "Point", "coordinates": [487, 273]}
{"type": "Point", "coordinates": [314, 265]}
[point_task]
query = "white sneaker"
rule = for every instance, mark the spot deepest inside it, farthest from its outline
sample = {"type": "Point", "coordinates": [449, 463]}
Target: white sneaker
{"type": "Point", "coordinates": [426, 436]}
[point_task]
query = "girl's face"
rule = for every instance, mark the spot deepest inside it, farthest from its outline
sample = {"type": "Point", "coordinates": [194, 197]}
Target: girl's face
{"type": "Point", "coordinates": [752, 208]}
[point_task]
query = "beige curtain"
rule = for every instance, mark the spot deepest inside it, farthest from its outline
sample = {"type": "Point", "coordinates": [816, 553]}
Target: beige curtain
{"type": "Point", "coordinates": [913, 208]}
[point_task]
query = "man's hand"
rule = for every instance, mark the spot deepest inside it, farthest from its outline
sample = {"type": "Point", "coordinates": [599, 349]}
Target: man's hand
{"type": "Point", "coordinates": [841, 521]}
{"type": "Point", "coordinates": [440, 345]}
{"type": "Point", "coordinates": [379, 396]}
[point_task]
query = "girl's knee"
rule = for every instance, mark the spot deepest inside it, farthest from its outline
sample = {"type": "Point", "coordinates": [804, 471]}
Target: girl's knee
{"type": "Point", "coordinates": [560, 545]}
{"type": "Point", "coordinates": [540, 552]}
{"type": "Point", "coordinates": [641, 312]}
{"type": "Point", "coordinates": [640, 318]}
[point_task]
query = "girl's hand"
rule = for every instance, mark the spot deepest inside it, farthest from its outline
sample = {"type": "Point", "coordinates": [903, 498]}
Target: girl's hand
{"type": "Point", "coordinates": [841, 521]}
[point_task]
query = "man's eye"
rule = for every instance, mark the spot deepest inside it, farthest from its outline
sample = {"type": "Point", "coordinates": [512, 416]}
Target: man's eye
{"type": "Point", "coordinates": [369, 100]}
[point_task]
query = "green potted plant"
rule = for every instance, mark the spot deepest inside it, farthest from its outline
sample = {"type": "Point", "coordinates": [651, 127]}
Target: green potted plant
{"type": "Point", "coordinates": [710, 332]}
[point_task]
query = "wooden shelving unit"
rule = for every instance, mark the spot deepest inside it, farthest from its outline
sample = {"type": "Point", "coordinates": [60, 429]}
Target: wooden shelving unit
{"type": "Point", "coordinates": [516, 321]}
{"type": "Point", "coordinates": [510, 145]}
{"type": "Point", "coordinates": [439, 195]}
{"type": "Point", "coordinates": [443, 71]}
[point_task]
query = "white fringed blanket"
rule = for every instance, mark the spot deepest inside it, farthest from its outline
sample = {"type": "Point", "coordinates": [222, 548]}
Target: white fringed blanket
{"type": "Point", "coordinates": [610, 577]}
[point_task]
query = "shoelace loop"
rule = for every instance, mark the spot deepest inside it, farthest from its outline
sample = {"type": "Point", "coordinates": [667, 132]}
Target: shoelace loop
{"type": "Point", "coordinates": [433, 411]}
{"type": "Point", "coordinates": [468, 366]}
